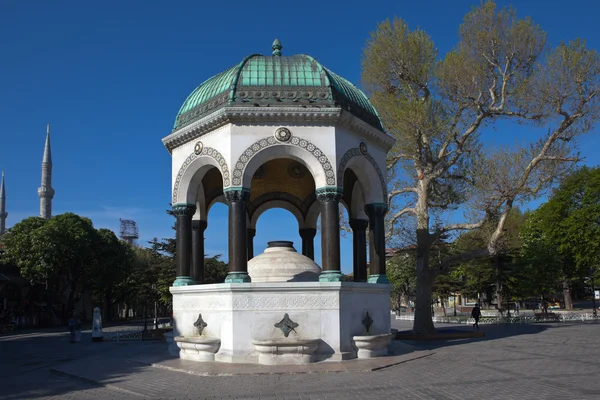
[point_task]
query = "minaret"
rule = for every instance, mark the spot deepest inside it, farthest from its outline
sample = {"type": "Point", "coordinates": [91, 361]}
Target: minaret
{"type": "Point", "coordinates": [46, 192]}
{"type": "Point", "coordinates": [3, 213]}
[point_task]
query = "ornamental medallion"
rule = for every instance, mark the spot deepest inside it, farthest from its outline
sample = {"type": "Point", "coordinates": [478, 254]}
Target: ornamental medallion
{"type": "Point", "coordinates": [363, 148]}
{"type": "Point", "coordinates": [198, 148]}
{"type": "Point", "coordinates": [283, 134]}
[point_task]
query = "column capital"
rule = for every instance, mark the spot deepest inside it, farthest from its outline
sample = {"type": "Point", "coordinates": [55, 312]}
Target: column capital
{"type": "Point", "coordinates": [184, 209]}
{"type": "Point", "coordinates": [251, 232]}
{"type": "Point", "coordinates": [236, 194]}
{"type": "Point", "coordinates": [376, 209]}
{"type": "Point", "coordinates": [199, 225]}
{"type": "Point", "coordinates": [329, 193]}
{"type": "Point", "coordinates": [358, 224]}
{"type": "Point", "coordinates": [308, 233]}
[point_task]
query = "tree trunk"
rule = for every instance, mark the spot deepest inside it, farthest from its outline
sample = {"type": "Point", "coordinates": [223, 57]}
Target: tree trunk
{"type": "Point", "coordinates": [108, 307]}
{"type": "Point", "coordinates": [423, 323]}
{"type": "Point", "coordinates": [567, 293]}
{"type": "Point", "coordinates": [71, 299]}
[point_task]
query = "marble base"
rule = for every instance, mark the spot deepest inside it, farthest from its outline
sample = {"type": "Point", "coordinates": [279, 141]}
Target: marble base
{"type": "Point", "coordinates": [240, 313]}
{"type": "Point", "coordinates": [197, 348]}
{"type": "Point", "coordinates": [372, 346]}
{"type": "Point", "coordinates": [286, 351]}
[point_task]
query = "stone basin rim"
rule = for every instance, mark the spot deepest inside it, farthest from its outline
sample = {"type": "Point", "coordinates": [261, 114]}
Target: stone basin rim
{"type": "Point", "coordinates": [196, 339]}
{"type": "Point", "coordinates": [372, 337]}
{"type": "Point", "coordinates": [283, 342]}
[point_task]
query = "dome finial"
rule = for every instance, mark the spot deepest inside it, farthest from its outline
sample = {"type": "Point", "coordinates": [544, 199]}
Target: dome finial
{"type": "Point", "coordinates": [277, 47]}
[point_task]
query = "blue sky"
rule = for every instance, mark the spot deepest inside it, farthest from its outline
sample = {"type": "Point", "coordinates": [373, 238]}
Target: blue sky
{"type": "Point", "coordinates": [110, 77]}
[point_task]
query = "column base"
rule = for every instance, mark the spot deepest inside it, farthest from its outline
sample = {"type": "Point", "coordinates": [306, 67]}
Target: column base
{"type": "Point", "coordinates": [184, 281]}
{"type": "Point", "coordinates": [378, 279]}
{"type": "Point", "coordinates": [237, 277]}
{"type": "Point", "coordinates": [331, 276]}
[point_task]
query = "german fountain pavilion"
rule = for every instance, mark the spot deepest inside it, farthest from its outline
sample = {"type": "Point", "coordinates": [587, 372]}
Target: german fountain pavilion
{"type": "Point", "coordinates": [279, 132]}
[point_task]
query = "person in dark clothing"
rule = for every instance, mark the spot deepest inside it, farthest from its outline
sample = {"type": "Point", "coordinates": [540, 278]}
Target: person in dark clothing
{"type": "Point", "coordinates": [476, 313]}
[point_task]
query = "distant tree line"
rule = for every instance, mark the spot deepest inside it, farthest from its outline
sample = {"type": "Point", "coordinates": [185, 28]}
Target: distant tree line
{"type": "Point", "coordinates": [66, 259]}
{"type": "Point", "coordinates": [552, 249]}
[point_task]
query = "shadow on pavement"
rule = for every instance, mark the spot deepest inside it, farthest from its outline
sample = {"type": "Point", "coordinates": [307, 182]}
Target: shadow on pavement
{"type": "Point", "coordinates": [492, 332]}
{"type": "Point", "coordinates": [31, 366]}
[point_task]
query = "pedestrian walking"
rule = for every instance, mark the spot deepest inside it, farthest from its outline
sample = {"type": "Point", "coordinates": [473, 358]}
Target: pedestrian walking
{"type": "Point", "coordinates": [476, 313]}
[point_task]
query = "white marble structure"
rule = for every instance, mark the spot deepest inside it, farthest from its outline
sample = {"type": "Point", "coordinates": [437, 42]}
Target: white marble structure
{"type": "Point", "coordinates": [280, 132]}
{"type": "Point", "coordinates": [45, 191]}
{"type": "Point", "coordinates": [97, 334]}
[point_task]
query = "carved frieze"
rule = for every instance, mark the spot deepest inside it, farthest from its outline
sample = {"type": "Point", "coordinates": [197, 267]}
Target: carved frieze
{"type": "Point", "coordinates": [205, 151]}
{"type": "Point", "coordinates": [261, 144]}
{"type": "Point", "coordinates": [358, 152]}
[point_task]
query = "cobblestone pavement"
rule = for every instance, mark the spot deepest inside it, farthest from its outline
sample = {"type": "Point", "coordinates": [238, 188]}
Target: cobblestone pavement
{"type": "Point", "coordinates": [542, 361]}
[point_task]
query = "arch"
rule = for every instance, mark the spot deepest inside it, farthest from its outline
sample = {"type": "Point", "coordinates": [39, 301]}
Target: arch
{"type": "Point", "coordinates": [192, 171]}
{"type": "Point", "coordinates": [368, 172]}
{"type": "Point", "coordinates": [312, 215]}
{"type": "Point", "coordinates": [221, 199]}
{"type": "Point", "coordinates": [357, 208]}
{"type": "Point", "coordinates": [296, 148]}
{"type": "Point", "coordinates": [286, 205]}
{"type": "Point", "coordinates": [201, 206]}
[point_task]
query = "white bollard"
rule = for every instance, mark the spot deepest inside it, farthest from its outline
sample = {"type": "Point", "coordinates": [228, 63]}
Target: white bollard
{"type": "Point", "coordinates": [97, 326]}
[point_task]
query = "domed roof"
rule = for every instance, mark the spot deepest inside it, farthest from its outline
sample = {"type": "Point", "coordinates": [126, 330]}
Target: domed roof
{"type": "Point", "coordinates": [281, 263]}
{"type": "Point", "coordinates": [271, 81]}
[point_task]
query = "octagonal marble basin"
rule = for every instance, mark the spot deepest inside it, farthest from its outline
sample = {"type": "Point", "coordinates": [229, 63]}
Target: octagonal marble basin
{"type": "Point", "coordinates": [197, 348]}
{"type": "Point", "coordinates": [372, 346]}
{"type": "Point", "coordinates": [283, 351]}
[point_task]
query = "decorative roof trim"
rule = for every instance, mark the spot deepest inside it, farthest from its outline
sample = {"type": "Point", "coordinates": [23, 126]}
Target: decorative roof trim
{"type": "Point", "coordinates": [228, 115]}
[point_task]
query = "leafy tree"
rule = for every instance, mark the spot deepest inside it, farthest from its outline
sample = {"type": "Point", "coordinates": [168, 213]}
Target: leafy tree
{"type": "Point", "coordinates": [570, 222]}
{"type": "Point", "coordinates": [401, 273]}
{"type": "Point", "coordinates": [59, 252]}
{"type": "Point", "coordinates": [540, 266]}
{"type": "Point", "coordinates": [438, 109]}
{"type": "Point", "coordinates": [114, 263]}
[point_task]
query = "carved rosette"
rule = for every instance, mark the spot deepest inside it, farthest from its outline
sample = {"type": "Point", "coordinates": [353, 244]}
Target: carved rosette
{"type": "Point", "coordinates": [236, 195]}
{"type": "Point", "coordinates": [283, 134]}
{"type": "Point", "coordinates": [207, 152]}
{"type": "Point", "coordinates": [329, 193]}
{"type": "Point", "coordinates": [184, 210]}
{"type": "Point", "coordinates": [240, 165]}
{"type": "Point", "coordinates": [356, 152]}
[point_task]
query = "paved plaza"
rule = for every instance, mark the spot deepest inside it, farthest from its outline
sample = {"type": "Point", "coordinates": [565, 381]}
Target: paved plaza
{"type": "Point", "coordinates": [541, 361]}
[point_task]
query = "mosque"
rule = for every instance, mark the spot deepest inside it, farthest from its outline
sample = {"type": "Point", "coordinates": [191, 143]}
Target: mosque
{"type": "Point", "coordinates": [45, 192]}
{"type": "Point", "coordinates": [15, 287]}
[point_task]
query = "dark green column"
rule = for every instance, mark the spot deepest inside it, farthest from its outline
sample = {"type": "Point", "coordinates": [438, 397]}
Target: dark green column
{"type": "Point", "coordinates": [308, 242]}
{"type": "Point", "coordinates": [198, 228]}
{"type": "Point", "coordinates": [251, 234]}
{"type": "Point", "coordinates": [329, 197]}
{"type": "Point", "coordinates": [183, 213]}
{"type": "Point", "coordinates": [359, 249]}
{"type": "Point", "coordinates": [238, 240]}
{"type": "Point", "coordinates": [376, 213]}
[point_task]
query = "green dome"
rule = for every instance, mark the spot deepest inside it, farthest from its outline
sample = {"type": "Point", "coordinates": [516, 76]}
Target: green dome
{"type": "Point", "coordinates": [271, 81]}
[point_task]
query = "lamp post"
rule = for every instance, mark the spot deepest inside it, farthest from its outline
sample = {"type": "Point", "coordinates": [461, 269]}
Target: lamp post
{"type": "Point", "coordinates": [592, 272]}
{"type": "Point", "coordinates": [155, 307]}
{"type": "Point", "coordinates": [454, 298]}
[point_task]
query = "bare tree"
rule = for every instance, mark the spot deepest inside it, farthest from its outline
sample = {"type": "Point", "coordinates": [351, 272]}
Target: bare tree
{"type": "Point", "coordinates": [438, 109]}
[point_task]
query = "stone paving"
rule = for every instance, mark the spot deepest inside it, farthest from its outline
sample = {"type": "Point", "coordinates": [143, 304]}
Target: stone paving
{"type": "Point", "coordinates": [542, 361]}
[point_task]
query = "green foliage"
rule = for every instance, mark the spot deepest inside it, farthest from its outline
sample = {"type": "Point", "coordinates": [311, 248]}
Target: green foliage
{"type": "Point", "coordinates": [401, 273]}
{"type": "Point", "coordinates": [540, 269]}
{"type": "Point", "coordinates": [571, 218]}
